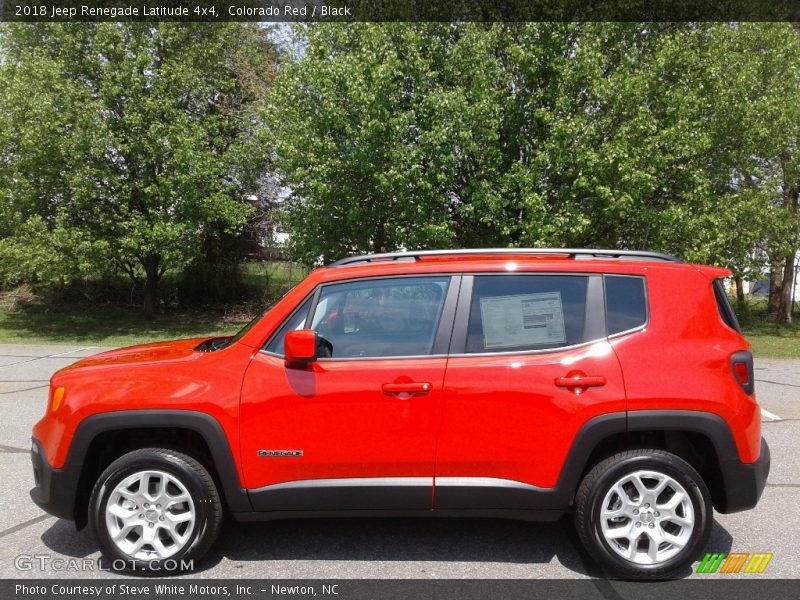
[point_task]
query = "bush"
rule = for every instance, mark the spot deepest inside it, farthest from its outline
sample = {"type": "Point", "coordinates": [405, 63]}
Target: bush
{"type": "Point", "coordinates": [48, 258]}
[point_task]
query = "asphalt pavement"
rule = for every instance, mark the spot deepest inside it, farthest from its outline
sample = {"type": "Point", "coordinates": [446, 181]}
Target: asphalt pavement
{"type": "Point", "coordinates": [374, 548]}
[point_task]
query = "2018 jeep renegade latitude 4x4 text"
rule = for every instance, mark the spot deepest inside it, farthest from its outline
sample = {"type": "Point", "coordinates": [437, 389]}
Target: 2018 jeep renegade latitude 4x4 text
{"type": "Point", "coordinates": [491, 383]}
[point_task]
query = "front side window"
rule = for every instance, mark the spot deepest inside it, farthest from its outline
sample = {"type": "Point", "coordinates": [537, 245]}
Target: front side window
{"type": "Point", "coordinates": [380, 317]}
{"type": "Point", "coordinates": [526, 312]}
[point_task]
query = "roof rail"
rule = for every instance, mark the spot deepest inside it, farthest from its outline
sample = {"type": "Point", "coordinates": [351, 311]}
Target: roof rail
{"type": "Point", "coordinates": [577, 253]}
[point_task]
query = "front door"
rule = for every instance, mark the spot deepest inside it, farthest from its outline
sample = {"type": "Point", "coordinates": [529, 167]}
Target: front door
{"type": "Point", "coordinates": [355, 430]}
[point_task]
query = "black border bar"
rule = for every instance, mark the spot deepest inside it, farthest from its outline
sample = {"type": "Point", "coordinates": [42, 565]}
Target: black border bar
{"type": "Point", "coordinates": [707, 587]}
{"type": "Point", "coordinates": [399, 10]}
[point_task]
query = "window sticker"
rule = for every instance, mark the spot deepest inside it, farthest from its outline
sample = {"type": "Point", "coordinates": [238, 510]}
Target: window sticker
{"type": "Point", "coordinates": [522, 320]}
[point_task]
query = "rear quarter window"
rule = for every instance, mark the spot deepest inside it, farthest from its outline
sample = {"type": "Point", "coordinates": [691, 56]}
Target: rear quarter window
{"type": "Point", "coordinates": [724, 306]}
{"type": "Point", "coordinates": [626, 303]}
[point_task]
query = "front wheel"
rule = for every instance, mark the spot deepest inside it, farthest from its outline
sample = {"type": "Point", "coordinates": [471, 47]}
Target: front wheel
{"type": "Point", "coordinates": [643, 514]}
{"type": "Point", "coordinates": [155, 510]}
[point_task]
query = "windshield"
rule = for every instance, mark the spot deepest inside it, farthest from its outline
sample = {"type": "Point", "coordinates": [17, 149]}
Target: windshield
{"type": "Point", "coordinates": [240, 334]}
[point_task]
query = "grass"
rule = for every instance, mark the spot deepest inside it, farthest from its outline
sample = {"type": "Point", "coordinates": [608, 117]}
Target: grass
{"type": "Point", "coordinates": [113, 327]}
{"type": "Point", "coordinates": [261, 274]}
{"type": "Point", "coordinates": [768, 339]}
{"type": "Point", "coordinates": [26, 318]}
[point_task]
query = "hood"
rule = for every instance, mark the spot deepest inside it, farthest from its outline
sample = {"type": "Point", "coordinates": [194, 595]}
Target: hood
{"type": "Point", "coordinates": [144, 353]}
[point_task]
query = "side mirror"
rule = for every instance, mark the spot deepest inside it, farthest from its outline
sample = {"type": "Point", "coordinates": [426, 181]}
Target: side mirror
{"type": "Point", "coordinates": [300, 347]}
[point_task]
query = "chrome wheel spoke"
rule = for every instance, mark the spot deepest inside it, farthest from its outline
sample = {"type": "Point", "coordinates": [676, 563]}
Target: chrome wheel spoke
{"type": "Point", "coordinates": [662, 485]}
{"type": "Point", "coordinates": [118, 510]}
{"type": "Point", "coordinates": [175, 518]}
{"type": "Point", "coordinates": [652, 550]}
{"type": "Point", "coordinates": [672, 503]}
{"type": "Point", "coordinates": [624, 497]}
{"type": "Point", "coordinates": [633, 547]}
{"type": "Point", "coordinates": [672, 517]}
{"type": "Point", "coordinates": [623, 532]}
{"type": "Point", "coordinates": [675, 540]}
{"type": "Point", "coordinates": [173, 500]}
{"type": "Point", "coordinates": [129, 495]}
{"type": "Point", "coordinates": [159, 547]}
{"type": "Point", "coordinates": [639, 485]}
{"type": "Point", "coordinates": [136, 546]}
{"type": "Point", "coordinates": [622, 511]}
{"type": "Point", "coordinates": [148, 534]}
{"type": "Point", "coordinates": [124, 531]}
{"type": "Point", "coordinates": [144, 487]}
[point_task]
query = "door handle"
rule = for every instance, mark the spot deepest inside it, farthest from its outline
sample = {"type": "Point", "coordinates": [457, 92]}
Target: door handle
{"type": "Point", "coordinates": [580, 381]}
{"type": "Point", "coordinates": [406, 390]}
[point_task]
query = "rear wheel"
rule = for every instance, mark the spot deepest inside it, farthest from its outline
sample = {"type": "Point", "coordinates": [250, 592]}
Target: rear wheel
{"type": "Point", "coordinates": [644, 514]}
{"type": "Point", "coordinates": [155, 509]}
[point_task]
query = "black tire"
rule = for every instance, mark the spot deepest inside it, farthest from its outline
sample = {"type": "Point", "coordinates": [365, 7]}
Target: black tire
{"type": "Point", "coordinates": [200, 486]}
{"type": "Point", "coordinates": [597, 483]}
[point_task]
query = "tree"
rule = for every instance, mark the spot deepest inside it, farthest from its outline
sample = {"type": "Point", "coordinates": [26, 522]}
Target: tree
{"type": "Point", "coordinates": [142, 138]}
{"type": "Point", "coordinates": [759, 100]}
{"type": "Point", "coordinates": [560, 134]}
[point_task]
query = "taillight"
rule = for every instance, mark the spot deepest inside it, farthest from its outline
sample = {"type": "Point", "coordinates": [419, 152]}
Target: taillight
{"type": "Point", "coordinates": [742, 366]}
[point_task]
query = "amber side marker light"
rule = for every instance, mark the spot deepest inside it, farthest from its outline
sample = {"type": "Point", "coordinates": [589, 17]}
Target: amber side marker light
{"type": "Point", "coordinates": [58, 398]}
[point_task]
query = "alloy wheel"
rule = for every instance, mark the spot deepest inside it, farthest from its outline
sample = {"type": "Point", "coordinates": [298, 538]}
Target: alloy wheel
{"type": "Point", "coordinates": [647, 517]}
{"type": "Point", "coordinates": [150, 515]}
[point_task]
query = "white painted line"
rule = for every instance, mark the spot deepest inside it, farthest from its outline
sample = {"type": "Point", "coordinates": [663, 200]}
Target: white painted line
{"type": "Point", "coordinates": [770, 416]}
{"type": "Point", "coordinates": [68, 352]}
{"type": "Point", "coordinates": [57, 355]}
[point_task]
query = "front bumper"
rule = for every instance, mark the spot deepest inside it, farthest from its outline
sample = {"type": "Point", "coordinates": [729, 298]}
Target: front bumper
{"type": "Point", "coordinates": [744, 482]}
{"type": "Point", "coordinates": [55, 490]}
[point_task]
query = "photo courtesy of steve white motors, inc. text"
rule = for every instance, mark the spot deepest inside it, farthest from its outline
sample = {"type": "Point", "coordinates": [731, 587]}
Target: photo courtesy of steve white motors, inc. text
{"type": "Point", "coordinates": [171, 589]}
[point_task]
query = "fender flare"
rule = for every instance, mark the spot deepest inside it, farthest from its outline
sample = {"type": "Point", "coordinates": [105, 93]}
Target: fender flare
{"type": "Point", "coordinates": [201, 423]}
{"type": "Point", "coordinates": [708, 424]}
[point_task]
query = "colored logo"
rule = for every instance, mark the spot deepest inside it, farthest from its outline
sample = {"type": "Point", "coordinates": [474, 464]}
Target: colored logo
{"type": "Point", "coordinates": [735, 562]}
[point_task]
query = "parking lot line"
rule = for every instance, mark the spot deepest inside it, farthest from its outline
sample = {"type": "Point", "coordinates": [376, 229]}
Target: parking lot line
{"type": "Point", "coordinates": [770, 416]}
{"type": "Point", "coordinates": [24, 524]}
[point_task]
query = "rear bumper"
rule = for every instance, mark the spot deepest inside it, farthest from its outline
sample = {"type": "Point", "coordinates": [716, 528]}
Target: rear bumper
{"type": "Point", "coordinates": [55, 489]}
{"type": "Point", "coordinates": [744, 482]}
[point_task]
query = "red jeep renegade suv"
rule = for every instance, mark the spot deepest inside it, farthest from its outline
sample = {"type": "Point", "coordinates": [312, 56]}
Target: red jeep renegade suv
{"type": "Point", "coordinates": [485, 383]}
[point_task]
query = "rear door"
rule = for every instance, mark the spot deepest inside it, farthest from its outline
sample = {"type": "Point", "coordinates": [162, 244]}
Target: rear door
{"type": "Point", "coordinates": [530, 363]}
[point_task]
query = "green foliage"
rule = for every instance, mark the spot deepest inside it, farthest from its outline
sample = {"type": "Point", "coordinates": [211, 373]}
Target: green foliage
{"type": "Point", "coordinates": [139, 139]}
{"type": "Point", "coordinates": [51, 256]}
{"type": "Point", "coordinates": [659, 136]}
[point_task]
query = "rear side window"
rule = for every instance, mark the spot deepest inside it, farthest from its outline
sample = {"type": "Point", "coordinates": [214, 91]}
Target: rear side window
{"type": "Point", "coordinates": [724, 306]}
{"type": "Point", "coordinates": [626, 303]}
{"type": "Point", "coordinates": [526, 312]}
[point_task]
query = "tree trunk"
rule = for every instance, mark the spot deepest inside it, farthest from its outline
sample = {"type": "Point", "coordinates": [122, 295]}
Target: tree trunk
{"type": "Point", "coordinates": [152, 279]}
{"type": "Point", "coordinates": [739, 290]}
{"type": "Point", "coordinates": [775, 285]}
{"type": "Point", "coordinates": [784, 315]}
{"type": "Point", "coordinates": [791, 199]}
